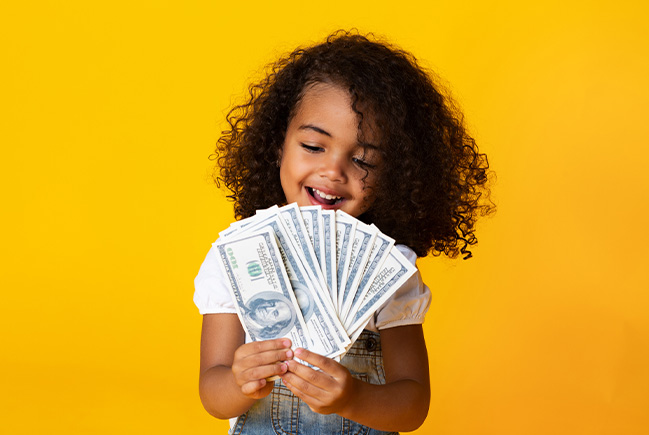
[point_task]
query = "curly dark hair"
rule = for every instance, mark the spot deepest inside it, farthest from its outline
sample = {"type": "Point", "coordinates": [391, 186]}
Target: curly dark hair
{"type": "Point", "coordinates": [435, 182]}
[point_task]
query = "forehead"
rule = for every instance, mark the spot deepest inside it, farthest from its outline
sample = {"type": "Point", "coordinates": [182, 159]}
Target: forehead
{"type": "Point", "coordinates": [325, 99]}
{"type": "Point", "coordinates": [330, 106]}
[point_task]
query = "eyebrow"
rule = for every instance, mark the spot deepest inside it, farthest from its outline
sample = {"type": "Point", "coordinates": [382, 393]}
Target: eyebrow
{"type": "Point", "coordinates": [314, 128]}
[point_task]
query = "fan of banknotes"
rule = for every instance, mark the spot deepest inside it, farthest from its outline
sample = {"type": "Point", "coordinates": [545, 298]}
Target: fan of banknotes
{"type": "Point", "coordinates": [315, 276]}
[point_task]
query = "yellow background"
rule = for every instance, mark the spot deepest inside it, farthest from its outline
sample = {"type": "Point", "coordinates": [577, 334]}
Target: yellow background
{"type": "Point", "coordinates": [110, 110]}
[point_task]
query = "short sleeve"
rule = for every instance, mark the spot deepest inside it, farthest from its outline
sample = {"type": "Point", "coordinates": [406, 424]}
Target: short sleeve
{"type": "Point", "coordinates": [408, 305]}
{"type": "Point", "coordinates": [211, 289]}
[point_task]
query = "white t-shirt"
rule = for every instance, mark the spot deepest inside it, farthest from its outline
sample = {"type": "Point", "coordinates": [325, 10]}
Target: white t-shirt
{"type": "Point", "coordinates": [408, 305]}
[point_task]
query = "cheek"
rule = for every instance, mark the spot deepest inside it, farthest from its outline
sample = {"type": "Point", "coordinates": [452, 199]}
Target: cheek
{"type": "Point", "coordinates": [284, 175]}
{"type": "Point", "coordinates": [292, 172]}
{"type": "Point", "coordinates": [285, 165]}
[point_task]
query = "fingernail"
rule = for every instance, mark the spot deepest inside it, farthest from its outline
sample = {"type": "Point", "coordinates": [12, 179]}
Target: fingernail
{"type": "Point", "coordinates": [289, 353]}
{"type": "Point", "coordinates": [299, 351]}
{"type": "Point", "coordinates": [284, 367]}
{"type": "Point", "coordinates": [286, 343]}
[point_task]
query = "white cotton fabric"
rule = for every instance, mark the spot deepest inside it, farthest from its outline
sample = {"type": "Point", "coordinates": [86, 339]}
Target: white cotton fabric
{"type": "Point", "coordinates": [408, 306]}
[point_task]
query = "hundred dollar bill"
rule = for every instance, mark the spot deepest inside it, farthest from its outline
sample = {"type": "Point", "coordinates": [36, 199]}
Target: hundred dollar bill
{"type": "Point", "coordinates": [395, 271]}
{"type": "Point", "coordinates": [362, 242]}
{"type": "Point", "coordinates": [313, 224]}
{"type": "Point", "coordinates": [260, 288]}
{"type": "Point", "coordinates": [306, 218]}
{"type": "Point", "coordinates": [234, 227]}
{"type": "Point", "coordinates": [329, 263]}
{"type": "Point", "coordinates": [238, 225]}
{"type": "Point", "coordinates": [380, 251]}
{"type": "Point", "coordinates": [327, 333]}
{"type": "Point", "coordinates": [344, 233]}
{"type": "Point", "coordinates": [352, 338]}
{"type": "Point", "coordinates": [266, 211]}
{"type": "Point", "coordinates": [294, 223]}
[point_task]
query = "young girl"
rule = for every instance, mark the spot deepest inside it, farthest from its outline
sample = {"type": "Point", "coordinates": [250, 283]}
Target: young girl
{"type": "Point", "coordinates": [356, 125]}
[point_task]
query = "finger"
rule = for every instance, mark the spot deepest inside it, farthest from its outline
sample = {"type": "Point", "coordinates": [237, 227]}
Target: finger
{"type": "Point", "coordinates": [251, 387]}
{"type": "Point", "coordinates": [311, 381]}
{"type": "Point", "coordinates": [264, 358]}
{"type": "Point", "coordinates": [263, 346]}
{"type": "Point", "coordinates": [306, 392]}
{"type": "Point", "coordinates": [327, 365]}
{"type": "Point", "coordinates": [258, 389]}
{"type": "Point", "coordinates": [263, 372]}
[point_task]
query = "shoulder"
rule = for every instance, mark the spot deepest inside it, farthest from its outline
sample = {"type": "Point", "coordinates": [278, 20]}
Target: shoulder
{"type": "Point", "coordinates": [212, 293]}
{"type": "Point", "coordinates": [409, 304]}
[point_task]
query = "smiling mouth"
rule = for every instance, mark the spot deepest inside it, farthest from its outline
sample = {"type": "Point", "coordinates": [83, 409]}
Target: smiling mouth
{"type": "Point", "coordinates": [324, 198]}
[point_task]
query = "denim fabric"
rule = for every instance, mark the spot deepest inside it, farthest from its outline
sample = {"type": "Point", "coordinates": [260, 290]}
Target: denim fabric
{"type": "Point", "coordinates": [282, 413]}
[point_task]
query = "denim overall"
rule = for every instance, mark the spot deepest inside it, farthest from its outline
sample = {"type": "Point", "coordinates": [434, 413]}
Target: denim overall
{"type": "Point", "coordinates": [282, 413]}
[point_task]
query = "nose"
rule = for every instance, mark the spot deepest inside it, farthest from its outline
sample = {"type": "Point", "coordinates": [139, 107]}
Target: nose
{"type": "Point", "coordinates": [333, 168]}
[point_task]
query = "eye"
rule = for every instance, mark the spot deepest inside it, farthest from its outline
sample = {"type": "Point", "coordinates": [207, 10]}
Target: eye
{"type": "Point", "coordinates": [311, 148]}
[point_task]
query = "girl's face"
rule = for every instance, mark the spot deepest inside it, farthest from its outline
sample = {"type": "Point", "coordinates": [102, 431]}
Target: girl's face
{"type": "Point", "coordinates": [322, 162]}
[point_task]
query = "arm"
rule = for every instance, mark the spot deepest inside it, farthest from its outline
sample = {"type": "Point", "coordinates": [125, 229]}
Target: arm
{"type": "Point", "coordinates": [233, 374]}
{"type": "Point", "coordinates": [399, 405]}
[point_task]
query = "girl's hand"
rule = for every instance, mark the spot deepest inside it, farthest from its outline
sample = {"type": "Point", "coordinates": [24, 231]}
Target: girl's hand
{"type": "Point", "coordinates": [256, 361]}
{"type": "Point", "coordinates": [327, 391]}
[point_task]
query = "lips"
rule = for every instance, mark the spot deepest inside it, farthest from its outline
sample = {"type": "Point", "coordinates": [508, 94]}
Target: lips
{"type": "Point", "coordinates": [323, 198]}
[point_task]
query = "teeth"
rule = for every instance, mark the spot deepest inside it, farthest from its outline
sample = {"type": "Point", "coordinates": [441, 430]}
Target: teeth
{"type": "Point", "coordinates": [326, 196]}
